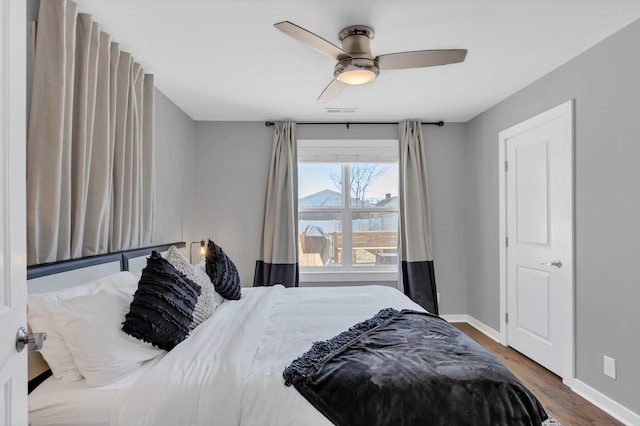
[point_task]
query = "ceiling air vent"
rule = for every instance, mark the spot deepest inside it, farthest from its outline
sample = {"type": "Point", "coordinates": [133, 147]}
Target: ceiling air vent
{"type": "Point", "coordinates": [340, 110]}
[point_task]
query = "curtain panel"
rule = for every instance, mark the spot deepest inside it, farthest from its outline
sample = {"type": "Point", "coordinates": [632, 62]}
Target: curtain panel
{"type": "Point", "coordinates": [416, 254]}
{"type": "Point", "coordinates": [278, 258]}
{"type": "Point", "coordinates": [90, 176]}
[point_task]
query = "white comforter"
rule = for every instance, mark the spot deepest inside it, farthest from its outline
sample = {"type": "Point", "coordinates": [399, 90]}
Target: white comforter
{"type": "Point", "coordinates": [229, 371]}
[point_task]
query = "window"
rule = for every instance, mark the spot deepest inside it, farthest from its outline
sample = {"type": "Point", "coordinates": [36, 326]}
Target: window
{"type": "Point", "coordinates": [348, 207]}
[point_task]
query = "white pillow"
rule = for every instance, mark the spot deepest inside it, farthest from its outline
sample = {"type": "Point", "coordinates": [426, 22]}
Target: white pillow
{"type": "Point", "coordinates": [91, 325]}
{"type": "Point", "coordinates": [124, 281]}
{"type": "Point", "coordinates": [55, 350]}
{"type": "Point", "coordinates": [206, 301]}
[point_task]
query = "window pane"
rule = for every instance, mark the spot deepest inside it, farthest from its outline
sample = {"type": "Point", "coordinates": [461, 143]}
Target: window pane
{"type": "Point", "coordinates": [320, 238]}
{"type": "Point", "coordinates": [373, 184]}
{"type": "Point", "coordinates": [374, 238]}
{"type": "Point", "coordinates": [319, 185]}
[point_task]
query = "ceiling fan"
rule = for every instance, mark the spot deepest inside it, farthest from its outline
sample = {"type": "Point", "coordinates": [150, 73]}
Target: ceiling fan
{"type": "Point", "coordinates": [355, 62]}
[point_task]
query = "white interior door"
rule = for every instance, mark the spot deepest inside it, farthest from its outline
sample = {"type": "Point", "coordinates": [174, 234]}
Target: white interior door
{"type": "Point", "coordinates": [539, 238]}
{"type": "Point", "coordinates": [13, 286]}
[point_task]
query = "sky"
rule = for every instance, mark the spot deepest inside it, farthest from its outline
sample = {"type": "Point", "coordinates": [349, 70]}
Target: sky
{"type": "Point", "coordinates": [314, 177]}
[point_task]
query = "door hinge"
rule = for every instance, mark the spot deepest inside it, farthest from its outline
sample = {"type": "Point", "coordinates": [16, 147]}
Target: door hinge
{"type": "Point", "coordinates": [506, 241]}
{"type": "Point", "coordinates": [506, 317]}
{"type": "Point", "coordinates": [506, 166]}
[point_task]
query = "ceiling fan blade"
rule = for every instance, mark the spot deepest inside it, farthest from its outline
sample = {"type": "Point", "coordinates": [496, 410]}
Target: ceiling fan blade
{"type": "Point", "coordinates": [421, 58]}
{"type": "Point", "coordinates": [311, 40]}
{"type": "Point", "coordinates": [331, 91]}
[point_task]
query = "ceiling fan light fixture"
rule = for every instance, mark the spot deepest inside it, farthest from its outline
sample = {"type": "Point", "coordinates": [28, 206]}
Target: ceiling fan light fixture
{"type": "Point", "coordinates": [356, 71]}
{"type": "Point", "coordinates": [355, 77]}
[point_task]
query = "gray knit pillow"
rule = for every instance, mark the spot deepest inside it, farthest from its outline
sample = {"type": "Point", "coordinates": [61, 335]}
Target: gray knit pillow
{"type": "Point", "coordinates": [217, 298]}
{"type": "Point", "coordinates": [205, 304]}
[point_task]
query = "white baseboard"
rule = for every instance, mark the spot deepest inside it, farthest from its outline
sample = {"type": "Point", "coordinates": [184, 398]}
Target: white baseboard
{"type": "Point", "coordinates": [495, 335]}
{"type": "Point", "coordinates": [488, 331]}
{"type": "Point", "coordinates": [605, 403]}
{"type": "Point", "coordinates": [455, 318]}
{"type": "Point", "coordinates": [598, 399]}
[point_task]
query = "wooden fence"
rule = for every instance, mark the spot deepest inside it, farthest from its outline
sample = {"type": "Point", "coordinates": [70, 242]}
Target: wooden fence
{"type": "Point", "coordinates": [382, 244]}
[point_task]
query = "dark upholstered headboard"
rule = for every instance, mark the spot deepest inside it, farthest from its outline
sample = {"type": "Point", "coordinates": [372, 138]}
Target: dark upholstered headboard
{"type": "Point", "coordinates": [47, 276]}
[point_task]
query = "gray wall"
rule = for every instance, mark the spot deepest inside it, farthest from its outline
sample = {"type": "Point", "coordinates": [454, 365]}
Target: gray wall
{"type": "Point", "coordinates": [604, 81]}
{"type": "Point", "coordinates": [232, 163]}
{"type": "Point", "coordinates": [232, 167]}
{"type": "Point", "coordinates": [446, 162]}
{"type": "Point", "coordinates": [175, 162]}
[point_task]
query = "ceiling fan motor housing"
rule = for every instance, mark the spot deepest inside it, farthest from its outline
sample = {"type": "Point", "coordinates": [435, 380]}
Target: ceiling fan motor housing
{"type": "Point", "coordinates": [356, 41]}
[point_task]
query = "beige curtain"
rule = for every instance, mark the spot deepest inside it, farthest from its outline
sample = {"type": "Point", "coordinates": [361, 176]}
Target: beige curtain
{"type": "Point", "coordinates": [90, 177]}
{"type": "Point", "coordinates": [278, 257]}
{"type": "Point", "coordinates": [418, 274]}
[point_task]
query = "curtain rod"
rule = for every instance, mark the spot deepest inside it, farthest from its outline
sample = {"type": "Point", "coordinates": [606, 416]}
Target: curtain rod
{"type": "Point", "coordinates": [348, 123]}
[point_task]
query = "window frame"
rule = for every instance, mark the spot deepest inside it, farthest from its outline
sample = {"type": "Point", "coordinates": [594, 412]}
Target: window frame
{"type": "Point", "coordinates": [378, 151]}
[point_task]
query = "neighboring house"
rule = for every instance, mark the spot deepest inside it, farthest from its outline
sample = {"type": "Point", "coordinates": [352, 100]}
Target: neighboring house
{"type": "Point", "coordinates": [330, 198]}
{"type": "Point", "coordinates": [324, 198]}
{"type": "Point", "coordinates": [388, 201]}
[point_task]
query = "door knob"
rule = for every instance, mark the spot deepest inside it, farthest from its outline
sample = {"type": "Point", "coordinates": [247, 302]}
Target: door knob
{"type": "Point", "coordinates": [557, 263]}
{"type": "Point", "coordinates": [23, 339]}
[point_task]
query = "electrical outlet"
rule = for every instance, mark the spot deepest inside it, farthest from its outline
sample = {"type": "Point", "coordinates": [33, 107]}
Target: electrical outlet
{"type": "Point", "coordinates": [609, 367]}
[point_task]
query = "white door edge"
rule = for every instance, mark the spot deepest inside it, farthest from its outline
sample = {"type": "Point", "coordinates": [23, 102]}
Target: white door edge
{"type": "Point", "coordinates": [564, 110]}
{"type": "Point", "coordinates": [13, 285]}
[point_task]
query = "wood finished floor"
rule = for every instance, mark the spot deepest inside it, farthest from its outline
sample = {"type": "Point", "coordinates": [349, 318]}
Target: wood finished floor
{"type": "Point", "coordinates": [557, 399]}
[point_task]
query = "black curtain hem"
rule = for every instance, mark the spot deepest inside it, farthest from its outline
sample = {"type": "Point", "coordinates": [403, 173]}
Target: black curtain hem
{"type": "Point", "coordinates": [269, 274]}
{"type": "Point", "coordinates": [419, 281]}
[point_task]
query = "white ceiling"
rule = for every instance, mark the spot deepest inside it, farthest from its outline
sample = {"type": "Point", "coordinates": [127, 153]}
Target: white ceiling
{"type": "Point", "coordinates": [223, 60]}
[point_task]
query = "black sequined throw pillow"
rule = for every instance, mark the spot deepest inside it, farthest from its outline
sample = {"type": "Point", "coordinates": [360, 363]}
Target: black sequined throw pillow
{"type": "Point", "coordinates": [162, 307]}
{"type": "Point", "coordinates": [222, 271]}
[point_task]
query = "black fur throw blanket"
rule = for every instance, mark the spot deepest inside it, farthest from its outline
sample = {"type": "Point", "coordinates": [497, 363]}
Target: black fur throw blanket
{"type": "Point", "coordinates": [410, 368]}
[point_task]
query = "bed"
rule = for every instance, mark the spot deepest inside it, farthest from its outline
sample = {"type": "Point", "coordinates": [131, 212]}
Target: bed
{"type": "Point", "coordinates": [229, 369]}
